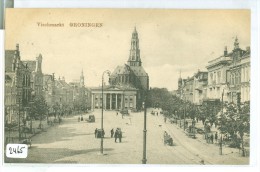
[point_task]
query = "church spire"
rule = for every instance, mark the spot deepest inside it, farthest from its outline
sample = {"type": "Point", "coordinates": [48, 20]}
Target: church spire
{"type": "Point", "coordinates": [82, 79]}
{"type": "Point", "coordinates": [134, 57]}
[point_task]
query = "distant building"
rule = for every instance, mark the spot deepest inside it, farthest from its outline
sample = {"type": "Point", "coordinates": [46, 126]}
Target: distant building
{"type": "Point", "coordinates": [35, 66]}
{"type": "Point", "coordinates": [128, 83]}
{"type": "Point", "coordinates": [187, 89]}
{"type": "Point", "coordinates": [200, 87]}
{"type": "Point", "coordinates": [81, 94]}
{"type": "Point", "coordinates": [49, 91]}
{"type": "Point", "coordinates": [63, 96]}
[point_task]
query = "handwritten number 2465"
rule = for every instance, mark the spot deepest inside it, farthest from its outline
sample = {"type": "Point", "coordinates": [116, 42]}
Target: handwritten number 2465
{"type": "Point", "coordinates": [16, 150]}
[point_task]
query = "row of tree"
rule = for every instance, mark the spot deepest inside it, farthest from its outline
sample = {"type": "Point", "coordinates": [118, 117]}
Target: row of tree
{"type": "Point", "coordinates": [231, 119]}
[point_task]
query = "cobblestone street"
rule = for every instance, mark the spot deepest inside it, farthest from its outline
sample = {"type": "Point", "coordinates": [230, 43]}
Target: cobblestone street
{"type": "Point", "coordinates": [74, 142]}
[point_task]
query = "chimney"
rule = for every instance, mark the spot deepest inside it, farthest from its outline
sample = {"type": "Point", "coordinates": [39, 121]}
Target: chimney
{"type": "Point", "coordinates": [225, 51]}
{"type": "Point", "coordinates": [248, 48]}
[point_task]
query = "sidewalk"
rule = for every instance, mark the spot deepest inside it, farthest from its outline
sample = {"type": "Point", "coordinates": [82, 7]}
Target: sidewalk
{"type": "Point", "coordinates": [206, 151]}
{"type": "Point", "coordinates": [12, 136]}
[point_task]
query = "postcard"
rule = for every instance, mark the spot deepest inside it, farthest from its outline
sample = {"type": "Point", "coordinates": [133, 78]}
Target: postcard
{"type": "Point", "coordinates": [127, 86]}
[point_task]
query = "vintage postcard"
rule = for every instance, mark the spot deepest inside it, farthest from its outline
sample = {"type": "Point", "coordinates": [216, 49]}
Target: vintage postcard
{"type": "Point", "coordinates": [127, 86]}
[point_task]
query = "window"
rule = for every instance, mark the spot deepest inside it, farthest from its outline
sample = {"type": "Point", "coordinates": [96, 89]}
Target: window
{"type": "Point", "coordinates": [218, 77]}
{"type": "Point", "coordinates": [211, 77]}
{"type": "Point", "coordinates": [236, 78]}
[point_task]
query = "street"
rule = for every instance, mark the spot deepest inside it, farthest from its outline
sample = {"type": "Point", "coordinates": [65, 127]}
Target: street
{"type": "Point", "coordinates": [74, 142]}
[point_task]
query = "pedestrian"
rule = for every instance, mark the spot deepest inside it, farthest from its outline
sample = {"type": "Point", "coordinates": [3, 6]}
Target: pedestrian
{"type": "Point", "coordinates": [193, 122]}
{"type": "Point", "coordinates": [112, 133]}
{"type": "Point", "coordinates": [216, 136]}
{"type": "Point", "coordinates": [81, 118]}
{"type": "Point", "coordinates": [116, 113]}
{"type": "Point", "coordinates": [103, 133]}
{"type": "Point", "coordinates": [120, 135]}
{"type": "Point", "coordinates": [96, 130]}
{"type": "Point", "coordinates": [157, 113]}
{"type": "Point", "coordinates": [211, 138]}
{"type": "Point", "coordinates": [116, 134]}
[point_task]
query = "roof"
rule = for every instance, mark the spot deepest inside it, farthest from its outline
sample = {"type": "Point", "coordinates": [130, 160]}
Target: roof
{"type": "Point", "coordinates": [62, 84]}
{"type": "Point", "coordinates": [31, 64]}
{"type": "Point", "coordinates": [126, 69]}
{"type": "Point", "coordinates": [114, 87]}
{"type": "Point", "coordinates": [9, 78]}
{"type": "Point", "coordinates": [121, 70]}
{"type": "Point", "coordinates": [139, 70]}
{"type": "Point", "coordinates": [47, 77]}
{"type": "Point", "coordinates": [9, 55]}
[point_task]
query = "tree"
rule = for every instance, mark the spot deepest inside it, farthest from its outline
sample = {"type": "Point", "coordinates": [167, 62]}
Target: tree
{"type": "Point", "coordinates": [235, 121]}
{"type": "Point", "coordinates": [38, 108]}
{"type": "Point", "coordinates": [209, 111]}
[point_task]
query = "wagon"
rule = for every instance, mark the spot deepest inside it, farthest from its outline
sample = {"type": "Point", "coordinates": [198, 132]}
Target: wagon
{"type": "Point", "coordinates": [91, 118]}
{"type": "Point", "coordinates": [167, 139]}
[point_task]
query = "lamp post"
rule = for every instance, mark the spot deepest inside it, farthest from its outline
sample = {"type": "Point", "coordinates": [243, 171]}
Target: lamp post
{"type": "Point", "coordinates": [102, 135]}
{"type": "Point", "coordinates": [19, 118]}
{"type": "Point", "coordinates": [144, 134]}
{"type": "Point", "coordinates": [220, 141]}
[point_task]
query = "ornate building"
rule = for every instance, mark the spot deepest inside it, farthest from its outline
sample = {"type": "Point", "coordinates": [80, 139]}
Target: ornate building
{"type": "Point", "coordinates": [218, 77]}
{"type": "Point", "coordinates": [17, 86]}
{"type": "Point", "coordinates": [240, 74]}
{"type": "Point", "coordinates": [229, 75]}
{"type": "Point", "coordinates": [35, 66]}
{"type": "Point", "coordinates": [128, 83]}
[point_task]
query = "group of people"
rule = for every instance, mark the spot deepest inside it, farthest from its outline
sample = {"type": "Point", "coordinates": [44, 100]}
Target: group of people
{"type": "Point", "coordinates": [99, 133]}
{"type": "Point", "coordinates": [117, 134]}
{"type": "Point", "coordinates": [80, 118]}
{"type": "Point", "coordinates": [210, 137]}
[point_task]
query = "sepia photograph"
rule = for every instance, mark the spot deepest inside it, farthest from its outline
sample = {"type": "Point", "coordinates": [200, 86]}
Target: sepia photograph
{"type": "Point", "coordinates": [127, 86]}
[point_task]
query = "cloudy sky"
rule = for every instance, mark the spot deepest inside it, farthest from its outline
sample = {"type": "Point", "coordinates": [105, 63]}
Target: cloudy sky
{"type": "Point", "coordinates": [170, 40]}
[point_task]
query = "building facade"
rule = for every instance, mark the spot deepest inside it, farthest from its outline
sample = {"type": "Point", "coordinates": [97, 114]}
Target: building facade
{"type": "Point", "coordinates": [229, 75]}
{"type": "Point", "coordinates": [17, 86]}
{"type": "Point", "coordinates": [218, 77]}
{"type": "Point", "coordinates": [35, 67]}
{"type": "Point", "coordinates": [200, 87]}
{"type": "Point", "coordinates": [115, 98]}
{"type": "Point", "coordinates": [240, 67]}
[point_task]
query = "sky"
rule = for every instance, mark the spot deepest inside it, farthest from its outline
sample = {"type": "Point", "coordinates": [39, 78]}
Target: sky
{"type": "Point", "coordinates": [170, 41]}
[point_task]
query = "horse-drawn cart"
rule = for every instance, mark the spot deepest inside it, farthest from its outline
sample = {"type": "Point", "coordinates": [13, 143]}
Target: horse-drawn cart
{"type": "Point", "coordinates": [167, 139]}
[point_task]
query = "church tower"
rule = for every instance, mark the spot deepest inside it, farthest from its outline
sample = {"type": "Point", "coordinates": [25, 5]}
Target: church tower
{"type": "Point", "coordinates": [82, 79]}
{"type": "Point", "coordinates": [134, 57]}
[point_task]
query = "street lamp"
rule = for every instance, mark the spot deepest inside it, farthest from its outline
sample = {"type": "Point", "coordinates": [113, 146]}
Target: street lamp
{"type": "Point", "coordinates": [144, 131]}
{"type": "Point", "coordinates": [220, 141]}
{"type": "Point", "coordinates": [102, 135]}
{"type": "Point", "coordinates": [19, 119]}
